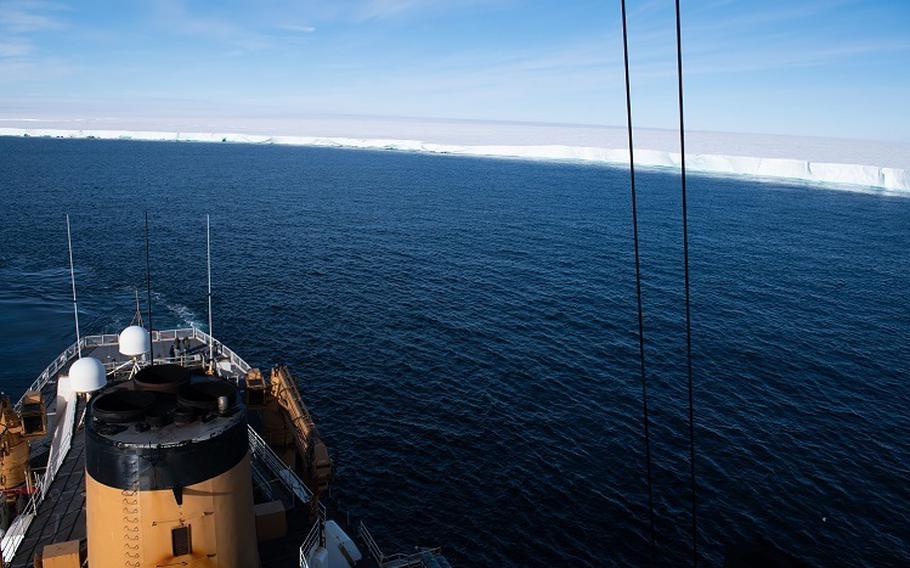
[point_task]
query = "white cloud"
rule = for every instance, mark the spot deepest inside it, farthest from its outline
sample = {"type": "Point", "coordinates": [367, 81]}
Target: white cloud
{"type": "Point", "coordinates": [21, 17]}
{"type": "Point", "coordinates": [380, 9]}
{"type": "Point", "coordinates": [373, 9]}
{"type": "Point", "coordinates": [15, 48]}
{"type": "Point", "coordinates": [20, 58]}
{"type": "Point", "coordinates": [297, 28]}
{"type": "Point", "coordinates": [177, 18]}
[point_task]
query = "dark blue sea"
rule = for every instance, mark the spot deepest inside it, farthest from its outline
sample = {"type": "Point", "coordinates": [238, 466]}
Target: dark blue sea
{"type": "Point", "coordinates": [465, 331]}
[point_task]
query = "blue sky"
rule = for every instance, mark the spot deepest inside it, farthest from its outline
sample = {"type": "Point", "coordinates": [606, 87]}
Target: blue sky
{"type": "Point", "coordinates": [815, 67]}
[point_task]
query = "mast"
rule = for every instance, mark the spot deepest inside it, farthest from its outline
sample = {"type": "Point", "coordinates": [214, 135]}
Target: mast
{"type": "Point", "coordinates": [148, 285]}
{"type": "Point", "coordinates": [69, 242]}
{"type": "Point", "coordinates": [137, 319]}
{"type": "Point", "coordinates": [208, 263]}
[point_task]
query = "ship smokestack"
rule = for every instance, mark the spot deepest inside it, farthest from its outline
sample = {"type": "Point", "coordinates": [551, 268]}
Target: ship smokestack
{"type": "Point", "coordinates": [168, 473]}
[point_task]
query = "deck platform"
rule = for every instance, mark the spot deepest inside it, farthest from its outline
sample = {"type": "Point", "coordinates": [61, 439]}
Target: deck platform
{"type": "Point", "coordinates": [60, 515]}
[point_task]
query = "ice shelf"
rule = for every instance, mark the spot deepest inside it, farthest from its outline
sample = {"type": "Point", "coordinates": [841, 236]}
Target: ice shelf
{"type": "Point", "coordinates": [858, 177]}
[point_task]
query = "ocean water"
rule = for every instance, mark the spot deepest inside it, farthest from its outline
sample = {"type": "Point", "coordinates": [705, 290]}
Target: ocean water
{"type": "Point", "coordinates": [465, 332]}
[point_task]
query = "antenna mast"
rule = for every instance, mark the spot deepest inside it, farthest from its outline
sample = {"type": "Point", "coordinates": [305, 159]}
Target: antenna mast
{"type": "Point", "coordinates": [148, 285]}
{"type": "Point", "coordinates": [208, 262]}
{"type": "Point", "coordinates": [137, 319]}
{"type": "Point", "coordinates": [69, 242]}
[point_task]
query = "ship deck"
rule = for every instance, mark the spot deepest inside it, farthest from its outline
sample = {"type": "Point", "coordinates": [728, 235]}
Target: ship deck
{"type": "Point", "coordinates": [60, 515]}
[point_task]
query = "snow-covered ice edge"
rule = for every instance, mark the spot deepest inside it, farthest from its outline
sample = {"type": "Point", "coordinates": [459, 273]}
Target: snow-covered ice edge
{"type": "Point", "coordinates": [861, 177]}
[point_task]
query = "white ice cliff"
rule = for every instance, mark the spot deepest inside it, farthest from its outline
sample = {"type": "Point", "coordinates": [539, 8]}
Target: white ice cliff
{"type": "Point", "coordinates": [844, 175]}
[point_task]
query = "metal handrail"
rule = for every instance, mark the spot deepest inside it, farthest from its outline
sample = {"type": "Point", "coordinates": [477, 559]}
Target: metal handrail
{"type": "Point", "coordinates": [108, 339]}
{"type": "Point", "coordinates": [54, 367]}
{"type": "Point", "coordinates": [282, 471]}
{"type": "Point", "coordinates": [394, 560]}
{"type": "Point", "coordinates": [220, 347]}
{"type": "Point", "coordinates": [14, 536]}
{"type": "Point", "coordinates": [57, 454]}
{"type": "Point", "coordinates": [260, 449]}
{"type": "Point", "coordinates": [372, 546]}
{"type": "Point", "coordinates": [310, 542]}
{"type": "Point", "coordinates": [16, 532]}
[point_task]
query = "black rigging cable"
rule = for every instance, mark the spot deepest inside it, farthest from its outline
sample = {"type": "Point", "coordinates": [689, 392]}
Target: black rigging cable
{"type": "Point", "coordinates": [685, 225]}
{"type": "Point", "coordinates": [641, 325]}
{"type": "Point", "coordinates": [148, 284]}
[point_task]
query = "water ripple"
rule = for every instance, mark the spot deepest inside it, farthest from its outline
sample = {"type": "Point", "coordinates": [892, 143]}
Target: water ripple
{"type": "Point", "coordinates": [464, 331]}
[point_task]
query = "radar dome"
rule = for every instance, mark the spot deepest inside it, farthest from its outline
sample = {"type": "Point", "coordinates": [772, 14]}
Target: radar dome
{"type": "Point", "coordinates": [87, 375]}
{"type": "Point", "coordinates": [134, 341]}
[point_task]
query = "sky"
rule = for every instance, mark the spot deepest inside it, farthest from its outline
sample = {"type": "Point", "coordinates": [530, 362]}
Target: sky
{"type": "Point", "coordinates": [832, 68]}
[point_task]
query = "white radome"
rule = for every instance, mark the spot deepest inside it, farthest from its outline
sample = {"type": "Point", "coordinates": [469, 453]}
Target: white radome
{"type": "Point", "coordinates": [134, 341]}
{"type": "Point", "coordinates": [87, 374]}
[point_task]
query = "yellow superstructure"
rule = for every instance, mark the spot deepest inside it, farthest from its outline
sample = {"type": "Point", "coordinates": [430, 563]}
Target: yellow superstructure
{"type": "Point", "coordinates": [214, 524]}
{"type": "Point", "coordinates": [168, 480]}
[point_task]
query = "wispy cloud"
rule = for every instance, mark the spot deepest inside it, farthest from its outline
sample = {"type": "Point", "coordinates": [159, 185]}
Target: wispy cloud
{"type": "Point", "coordinates": [15, 47]}
{"type": "Point", "coordinates": [470, 58]}
{"type": "Point", "coordinates": [769, 13]}
{"type": "Point", "coordinates": [297, 28]}
{"type": "Point", "coordinates": [22, 16]}
{"type": "Point", "coordinates": [21, 23]}
{"type": "Point", "coordinates": [176, 16]}
{"type": "Point", "coordinates": [374, 9]}
{"type": "Point", "coordinates": [792, 57]}
{"type": "Point", "coordinates": [364, 10]}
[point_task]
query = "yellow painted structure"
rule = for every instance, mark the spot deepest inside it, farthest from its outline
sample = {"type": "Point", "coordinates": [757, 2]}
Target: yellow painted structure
{"type": "Point", "coordinates": [288, 407]}
{"type": "Point", "coordinates": [61, 555]}
{"type": "Point", "coordinates": [136, 529]}
{"type": "Point", "coordinates": [14, 450]}
{"type": "Point", "coordinates": [14, 454]}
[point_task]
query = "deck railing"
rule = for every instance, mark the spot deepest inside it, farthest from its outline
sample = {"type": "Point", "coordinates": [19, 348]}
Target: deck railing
{"type": "Point", "coordinates": [60, 445]}
{"type": "Point", "coordinates": [310, 543]}
{"type": "Point", "coordinates": [222, 352]}
{"type": "Point", "coordinates": [367, 537]}
{"type": "Point", "coordinates": [17, 530]}
{"type": "Point", "coordinates": [55, 367]}
{"type": "Point", "coordinates": [396, 560]}
{"type": "Point", "coordinates": [282, 471]}
{"type": "Point", "coordinates": [220, 349]}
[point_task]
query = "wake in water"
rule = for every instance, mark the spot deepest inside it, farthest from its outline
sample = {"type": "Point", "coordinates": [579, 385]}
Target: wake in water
{"type": "Point", "coordinates": [176, 315]}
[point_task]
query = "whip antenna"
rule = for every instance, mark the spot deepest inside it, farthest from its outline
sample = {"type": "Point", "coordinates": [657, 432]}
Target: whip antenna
{"type": "Point", "coordinates": [208, 266]}
{"type": "Point", "coordinates": [137, 318]}
{"type": "Point", "coordinates": [148, 284]}
{"type": "Point", "coordinates": [685, 225]}
{"type": "Point", "coordinates": [69, 242]}
{"type": "Point", "coordinates": [641, 325]}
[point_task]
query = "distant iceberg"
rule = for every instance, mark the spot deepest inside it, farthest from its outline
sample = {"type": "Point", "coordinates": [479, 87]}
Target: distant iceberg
{"type": "Point", "coordinates": [858, 177]}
